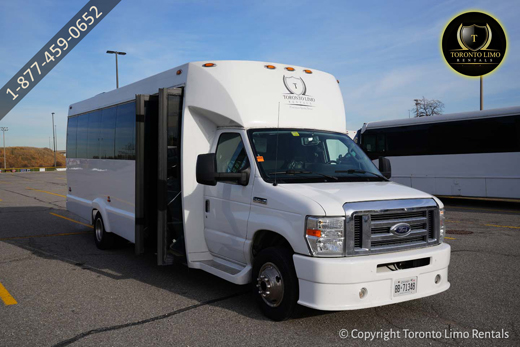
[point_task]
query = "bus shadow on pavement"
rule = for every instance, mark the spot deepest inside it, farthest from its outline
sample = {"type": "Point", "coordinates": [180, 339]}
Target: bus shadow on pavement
{"type": "Point", "coordinates": [74, 244]}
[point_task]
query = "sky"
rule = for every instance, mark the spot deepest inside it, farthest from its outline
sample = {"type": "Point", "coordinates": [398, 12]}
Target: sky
{"type": "Point", "coordinates": [384, 53]}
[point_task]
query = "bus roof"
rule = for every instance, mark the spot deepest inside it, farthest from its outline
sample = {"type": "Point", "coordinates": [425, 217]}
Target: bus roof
{"type": "Point", "coordinates": [496, 112]}
{"type": "Point", "coordinates": [248, 94]}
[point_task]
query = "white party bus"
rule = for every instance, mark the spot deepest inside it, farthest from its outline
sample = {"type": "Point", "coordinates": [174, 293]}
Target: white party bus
{"type": "Point", "coordinates": [469, 154]}
{"type": "Point", "coordinates": [243, 169]}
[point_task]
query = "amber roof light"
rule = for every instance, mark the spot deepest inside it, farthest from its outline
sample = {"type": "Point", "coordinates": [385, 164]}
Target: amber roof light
{"type": "Point", "coordinates": [307, 71]}
{"type": "Point", "coordinates": [209, 65]}
{"type": "Point", "coordinates": [179, 72]}
{"type": "Point", "coordinates": [289, 68]}
{"type": "Point", "coordinates": [270, 67]}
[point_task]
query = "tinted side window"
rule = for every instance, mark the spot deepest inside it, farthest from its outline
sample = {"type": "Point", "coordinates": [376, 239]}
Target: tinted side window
{"type": "Point", "coordinates": [94, 126]}
{"type": "Point", "coordinates": [490, 135]}
{"type": "Point", "coordinates": [71, 137]}
{"type": "Point", "coordinates": [107, 133]}
{"type": "Point", "coordinates": [82, 136]}
{"type": "Point", "coordinates": [125, 132]}
{"type": "Point", "coordinates": [231, 154]}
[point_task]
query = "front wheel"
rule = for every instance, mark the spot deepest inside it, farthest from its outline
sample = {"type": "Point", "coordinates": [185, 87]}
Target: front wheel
{"type": "Point", "coordinates": [276, 284]}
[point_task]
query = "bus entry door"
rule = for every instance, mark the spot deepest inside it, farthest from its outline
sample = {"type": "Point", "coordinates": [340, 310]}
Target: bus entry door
{"type": "Point", "coordinates": [158, 198]}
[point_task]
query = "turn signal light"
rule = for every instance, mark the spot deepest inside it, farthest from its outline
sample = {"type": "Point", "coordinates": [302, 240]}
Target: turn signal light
{"type": "Point", "coordinates": [307, 71]}
{"type": "Point", "coordinates": [314, 232]}
{"type": "Point", "coordinates": [209, 65]}
{"type": "Point", "coordinates": [270, 67]}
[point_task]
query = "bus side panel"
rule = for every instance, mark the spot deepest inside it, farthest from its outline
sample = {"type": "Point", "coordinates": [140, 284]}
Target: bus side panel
{"type": "Point", "coordinates": [111, 182]}
{"type": "Point", "coordinates": [492, 175]}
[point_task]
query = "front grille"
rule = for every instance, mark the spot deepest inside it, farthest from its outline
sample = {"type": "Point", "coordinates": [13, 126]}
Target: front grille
{"type": "Point", "coordinates": [357, 231]}
{"type": "Point", "coordinates": [371, 229]}
{"type": "Point", "coordinates": [397, 241]}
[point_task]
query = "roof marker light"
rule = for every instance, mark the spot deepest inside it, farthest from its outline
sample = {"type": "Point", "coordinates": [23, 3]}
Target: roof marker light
{"type": "Point", "coordinates": [337, 81]}
{"type": "Point", "coordinates": [289, 68]}
{"type": "Point", "coordinates": [209, 65]}
{"type": "Point", "coordinates": [307, 71]}
{"type": "Point", "coordinates": [270, 67]}
{"type": "Point", "coordinates": [179, 72]}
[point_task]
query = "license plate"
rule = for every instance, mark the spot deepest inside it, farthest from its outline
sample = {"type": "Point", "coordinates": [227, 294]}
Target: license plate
{"type": "Point", "coordinates": [405, 286]}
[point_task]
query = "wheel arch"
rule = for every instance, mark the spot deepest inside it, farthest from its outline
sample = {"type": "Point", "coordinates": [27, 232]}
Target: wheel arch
{"type": "Point", "coordinates": [264, 238]}
{"type": "Point", "coordinates": [98, 206]}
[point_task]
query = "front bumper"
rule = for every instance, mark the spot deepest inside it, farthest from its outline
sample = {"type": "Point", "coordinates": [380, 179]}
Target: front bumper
{"type": "Point", "coordinates": [333, 284]}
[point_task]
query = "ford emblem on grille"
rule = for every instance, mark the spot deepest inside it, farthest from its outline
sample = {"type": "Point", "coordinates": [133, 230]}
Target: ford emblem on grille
{"type": "Point", "coordinates": [401, 229]}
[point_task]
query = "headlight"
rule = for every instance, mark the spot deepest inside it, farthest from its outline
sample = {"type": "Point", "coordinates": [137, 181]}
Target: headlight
{"type": "Point", "coordinates": [442, 229]}
{"type": "Point", "coordinates": [325, 235]}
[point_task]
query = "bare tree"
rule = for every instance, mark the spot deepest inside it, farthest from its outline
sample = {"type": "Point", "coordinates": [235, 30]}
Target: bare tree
{"type": "Point", "coordinates": [426, 108]}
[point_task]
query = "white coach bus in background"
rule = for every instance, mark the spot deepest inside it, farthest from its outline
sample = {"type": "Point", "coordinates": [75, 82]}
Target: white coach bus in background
{"type": "Point", "coordinates": [244, 170]}
{"type": "Point", "coordinates": [469, 154]}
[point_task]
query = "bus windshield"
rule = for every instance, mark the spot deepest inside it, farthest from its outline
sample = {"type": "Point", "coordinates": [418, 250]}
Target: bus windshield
{"type": "Point", "coordinates": [306, 156]}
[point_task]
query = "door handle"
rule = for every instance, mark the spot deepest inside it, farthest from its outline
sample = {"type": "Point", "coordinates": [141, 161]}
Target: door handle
{"type": "Point", "coordinates": [207, 205]}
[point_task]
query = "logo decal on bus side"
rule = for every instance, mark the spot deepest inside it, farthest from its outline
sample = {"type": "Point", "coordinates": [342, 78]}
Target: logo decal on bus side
{"type": "Point", "coordinates": [297, 95]}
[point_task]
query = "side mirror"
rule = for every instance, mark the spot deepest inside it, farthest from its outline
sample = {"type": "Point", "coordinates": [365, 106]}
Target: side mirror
{"type": "Point", "coordinates": [385, 167]}
{"type": "Point", "coordinates": [206, 172]}
{"type": "Point", "coordinates": [206, 169]}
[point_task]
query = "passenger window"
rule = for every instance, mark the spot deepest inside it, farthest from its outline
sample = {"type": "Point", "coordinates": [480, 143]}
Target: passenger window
{"type": "Point", "coordinates": [94, 125]}
{"type": "Point", "coordinates": [125, 132]}
{"type": "Point", "coordinates": [369, 143]}
{"type": "Point", "coordinates": [231, 155]}
{"type": "Point", "coordinates": [107, 133]}
{"type": "Point", "coordinates": [71, 137]}
{"type": "Point", "coordinates": [82, 136]}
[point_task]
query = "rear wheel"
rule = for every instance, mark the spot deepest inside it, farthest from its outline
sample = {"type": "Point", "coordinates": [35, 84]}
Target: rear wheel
{"type": "Point", "coordinates": [104, 240]}
{"type": "Point", "coordinates": [276, 284]}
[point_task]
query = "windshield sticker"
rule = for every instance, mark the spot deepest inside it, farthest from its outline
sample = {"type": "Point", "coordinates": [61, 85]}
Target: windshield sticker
{"type": "Point", "coordinates": [295, 133]}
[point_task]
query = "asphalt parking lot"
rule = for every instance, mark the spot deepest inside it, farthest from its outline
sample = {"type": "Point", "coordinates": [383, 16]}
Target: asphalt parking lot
{"type": "Point", "coordinates": [58, 289]}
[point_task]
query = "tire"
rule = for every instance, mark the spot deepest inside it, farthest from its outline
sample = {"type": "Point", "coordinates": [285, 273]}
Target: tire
{"type": "Point", "coordinates": [275, 283]}
{"type": "Point", "coordinates": [104, 240]}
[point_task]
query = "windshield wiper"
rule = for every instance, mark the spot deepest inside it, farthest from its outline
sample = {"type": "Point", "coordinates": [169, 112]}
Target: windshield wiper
{"type": "Point", "coordinates": [353, 171]}
{"type": "Point", "coordinates": [295, 172]}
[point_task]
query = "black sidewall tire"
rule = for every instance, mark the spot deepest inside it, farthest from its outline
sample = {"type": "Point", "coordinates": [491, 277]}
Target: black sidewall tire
{"type": "Point", "coordinates": [283, 259]}
{"type": "Point", "coordinates": [107, 239]}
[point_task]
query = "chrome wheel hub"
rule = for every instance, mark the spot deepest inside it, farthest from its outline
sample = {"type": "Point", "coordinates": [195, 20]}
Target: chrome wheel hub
{"type": "Point", "coordinates": [99, 229]}
{"type": "Point", "coordinates": [270, 284]}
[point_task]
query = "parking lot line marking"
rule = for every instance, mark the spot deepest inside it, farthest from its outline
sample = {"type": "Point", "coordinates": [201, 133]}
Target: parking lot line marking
{"type": "Point", "coordinates": [44, 191]}
{"type": "Point", "coordinates": [449, 238]}
{"type": "Point", "coordinates": [72, 220]}
{"type": "Point", "coordinates": [6, 297]}
{"type": "Point", "coordinates": [501, 226]}
{"type": "Point", "coordinates": [43, 235]}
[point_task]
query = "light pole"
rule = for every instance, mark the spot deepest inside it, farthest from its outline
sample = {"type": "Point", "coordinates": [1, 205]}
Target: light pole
{"type": "Point", "coordinates": [54, 139]}
{"type": "Point", "coordinates": [117, 72]}
{"type": "Point", "coordinates": [4, 129]}
{"type": "Point", "coordinates": [481, 93]}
